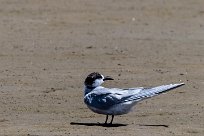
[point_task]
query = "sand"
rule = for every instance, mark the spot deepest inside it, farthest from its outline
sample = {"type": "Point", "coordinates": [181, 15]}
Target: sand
{"type": "Point", "coordinates": [48, 47]}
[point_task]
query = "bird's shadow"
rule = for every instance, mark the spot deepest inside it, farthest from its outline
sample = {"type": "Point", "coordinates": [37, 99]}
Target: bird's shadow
{"type": "Point", "coordinates": [153, 125]}
{"type": "Point", "coordinates": [98, 124]}
{"type": "Point", "coordinates": [114, 125]}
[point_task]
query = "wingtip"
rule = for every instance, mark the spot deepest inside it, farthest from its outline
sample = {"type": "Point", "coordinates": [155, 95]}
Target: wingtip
{"type": "Point", "coordinates": [178, 84]}
{"type": "Point", "coordinates": [181, 83]}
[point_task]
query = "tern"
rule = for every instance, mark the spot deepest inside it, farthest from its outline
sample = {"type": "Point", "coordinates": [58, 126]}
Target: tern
{"type": "Point", "coordinates": [115, 101]}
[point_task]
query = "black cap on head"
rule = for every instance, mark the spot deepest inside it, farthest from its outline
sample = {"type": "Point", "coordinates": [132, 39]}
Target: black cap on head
{"type": "Point", "coordinates": [92, 77]}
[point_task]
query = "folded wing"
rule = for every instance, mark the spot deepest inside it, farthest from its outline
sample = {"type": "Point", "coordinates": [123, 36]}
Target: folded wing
{"type": "Point", "coordinates": [105, 98]}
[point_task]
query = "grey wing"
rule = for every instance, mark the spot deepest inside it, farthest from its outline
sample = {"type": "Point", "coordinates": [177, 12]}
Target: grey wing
{"type": "Point", "coordinates": [150, 92]}
{"type": "Point", "coordinates": [101, 101]}
{"type": "Point", "coordinates": [106, 98]}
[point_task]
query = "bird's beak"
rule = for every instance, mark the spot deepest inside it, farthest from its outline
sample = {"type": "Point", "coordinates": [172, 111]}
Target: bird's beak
{"type": "Point", "coordinates": [108, 78]}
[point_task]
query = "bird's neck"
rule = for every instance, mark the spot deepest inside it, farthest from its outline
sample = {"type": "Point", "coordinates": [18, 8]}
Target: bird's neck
{"type": "Point", "coordinates": [88, 89]}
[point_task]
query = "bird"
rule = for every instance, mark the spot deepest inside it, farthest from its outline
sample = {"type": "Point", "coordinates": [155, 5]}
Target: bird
{"type": "Point", "coordinates": [116, 101]}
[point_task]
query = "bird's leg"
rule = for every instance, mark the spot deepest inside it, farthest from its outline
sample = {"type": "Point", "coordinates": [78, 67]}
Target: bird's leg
{"type": "Point", "coordinates": [112, 119]}
{"type": "Point", "coordinates": [106, 119]}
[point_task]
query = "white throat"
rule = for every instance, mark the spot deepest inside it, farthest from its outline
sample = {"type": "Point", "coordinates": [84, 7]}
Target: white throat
{"type": "Point", "coordinates": [97, 83]}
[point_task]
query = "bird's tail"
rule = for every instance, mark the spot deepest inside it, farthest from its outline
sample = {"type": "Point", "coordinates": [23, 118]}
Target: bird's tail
{"type": "Point", "coordinates": [150, 92]}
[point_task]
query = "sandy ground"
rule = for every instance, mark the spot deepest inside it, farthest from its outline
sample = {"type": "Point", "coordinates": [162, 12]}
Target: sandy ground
{"type": "Point", "coordinates": [48, 47]}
